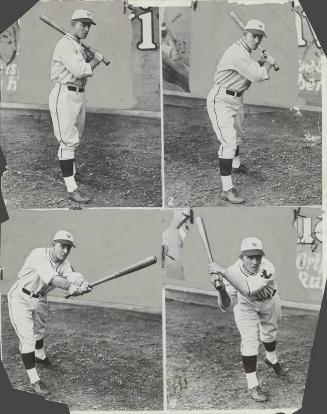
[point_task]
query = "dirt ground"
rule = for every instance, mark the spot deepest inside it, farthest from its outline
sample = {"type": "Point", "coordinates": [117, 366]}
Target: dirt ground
{"type": "Point", "coordinates": [204, 369]}
{"type": "Point", "coordinates": [281, 148]}
{"type": "Point", "coordinates": [119, 161]}
{"type": "Point", "coordinates": [103, 359]}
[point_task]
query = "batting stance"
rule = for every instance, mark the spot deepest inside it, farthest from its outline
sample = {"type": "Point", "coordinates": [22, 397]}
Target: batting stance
{"type": "Point", "coordinates": [234, 74]}
{"type": "Point", "coordinates": [255, 314]}
{"type": "Point", "coordinates": [43, 270]}
{"type": "Point", "coordinates": [71, 66]}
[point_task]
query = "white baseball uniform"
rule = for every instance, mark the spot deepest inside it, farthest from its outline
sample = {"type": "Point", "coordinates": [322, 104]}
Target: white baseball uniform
{"type": "Point", "coordinates": [27, 299]}
{"type": "Point", "coordinates": [234, 74]}
{"type": "Point", "coordinates": [254, 316]}
{"type": "Point", "coordinates": [69, 74]}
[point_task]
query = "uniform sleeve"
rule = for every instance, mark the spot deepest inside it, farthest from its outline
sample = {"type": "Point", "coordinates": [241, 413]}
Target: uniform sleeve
{"type": "Point", "coordinates": [43, 267]}
{"type": "Point", "coordinates": [251, 69]}
{"type": "Point", "coordinates": [73, 60]}
{"type": "Point", "coordinates": [232, 292]}
{"type": "Point", "coordinates": [66, 271]}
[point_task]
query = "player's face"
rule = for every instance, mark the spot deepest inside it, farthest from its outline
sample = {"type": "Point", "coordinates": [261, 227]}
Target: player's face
{"type": "Point", "coordinates": [60, 251]}
{"type": "Point", "coordinates": [252, 40]}
{"type": "Point", "coordinates": [80, 29]}
{"type": "Point", "coordinates": [252, 263]}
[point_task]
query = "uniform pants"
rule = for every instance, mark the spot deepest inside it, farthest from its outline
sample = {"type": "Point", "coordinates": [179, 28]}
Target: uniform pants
{"type": "Point", "coordinates": [28, 317]}
{"type": "Point", "coordinates": [227, 116]}
{"type": "Point", "coordinates": [67, 109]}
{"type": "Point", "coordinates": [257, 319]}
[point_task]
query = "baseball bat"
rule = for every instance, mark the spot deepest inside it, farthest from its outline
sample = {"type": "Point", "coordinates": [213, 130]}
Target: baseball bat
{"type": "Point", "coordinates": [63, 31]}
{"type": "Point", "coordinates": [148, 261]}
{"type": "Point", "coordinates": [204, 238]}
{"type": "Point", "coordinates": [241, 25]}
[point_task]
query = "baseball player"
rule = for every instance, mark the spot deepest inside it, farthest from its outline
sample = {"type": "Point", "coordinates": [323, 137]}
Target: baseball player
{"type": "Point", "coordinates": [234, 74]}
{"type": "Point", "coordinates": [255, 314]}
{"type": "Point", "coordinates": [71, 66]}
{"type": "Point", "coordinates": [44, 269]}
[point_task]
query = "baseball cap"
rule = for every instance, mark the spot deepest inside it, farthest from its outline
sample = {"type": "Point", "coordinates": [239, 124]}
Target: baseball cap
{"type": "Point", "coordinates": [252, 246]}
{"type": "Point", "coordinates": [64, 237]}
{"type": "Point", "coordinates": [255, 26]}
{"type": "Point", "coordinates": [83, 16]}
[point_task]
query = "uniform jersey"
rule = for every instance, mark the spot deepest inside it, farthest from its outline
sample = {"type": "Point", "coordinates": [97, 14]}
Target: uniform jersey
{"type": "Point", "coordinates": [40, 268]}
{"type": "Point", "coordinates": [238, 268]}
{"type": "Point", "coordinates": [68, 63]}
{"type": "Point", "coordinates": [236, 69]}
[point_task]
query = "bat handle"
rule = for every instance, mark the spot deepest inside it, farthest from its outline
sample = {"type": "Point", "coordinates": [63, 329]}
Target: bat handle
{"type": "Point", "coordinates": [107, 62]}
{"type": "Point", "coordinates": [276, 67]}
{"type": "Point", "coordinates": [68, 296]}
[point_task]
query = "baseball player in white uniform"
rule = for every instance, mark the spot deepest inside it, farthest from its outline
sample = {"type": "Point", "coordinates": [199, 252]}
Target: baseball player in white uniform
{"type": "Point", "coordinates": [234, 74]}
{"type": "Point", "coordinates": [71, 66]}
{"type": "Point", "coordinates": [44, 269]}
{"type": "Point", "coordinates": [256, 315]}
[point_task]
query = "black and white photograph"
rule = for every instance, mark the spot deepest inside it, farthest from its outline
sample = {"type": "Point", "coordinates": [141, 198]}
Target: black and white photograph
{"type": "Point", "coordinates": [242, 105]}
{"type": "Point", "coordinates": [81, 307]}
{"type": "Point", "coordinates": [80, 106]}
{"type": "Point", "coordinates": [240, 321]}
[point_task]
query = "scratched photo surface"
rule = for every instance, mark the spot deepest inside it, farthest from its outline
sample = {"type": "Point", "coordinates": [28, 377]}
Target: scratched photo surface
{"type": "Point", "coordinates": [116, 147]}
{"type": "Point", "coordinates": [104, 347]}
{"type": "Point", "coordinates": [204, 366]}
{"type": "Point", "coordinates": [277, 124]}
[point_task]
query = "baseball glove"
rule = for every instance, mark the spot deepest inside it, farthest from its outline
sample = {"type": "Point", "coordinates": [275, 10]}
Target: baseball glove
{"type": "Point", "coordinates": [265, 293]}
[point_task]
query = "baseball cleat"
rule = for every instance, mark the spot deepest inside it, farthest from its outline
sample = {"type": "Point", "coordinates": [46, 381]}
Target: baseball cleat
{"type": "Point", "coordinates": [77, 197]}
{"type": "Point", "coordinates": [257, 394]}
{"type": "Point", "coordinates": [46, 361]}
{"type": "Point", "coordinates": [39, 388]}
{"type": "Point", "coordinates": [276, 367]}
{"type": "Point", "coordinates": [242, 169]}
{"type": "Point", "coordinates": [232, 196]}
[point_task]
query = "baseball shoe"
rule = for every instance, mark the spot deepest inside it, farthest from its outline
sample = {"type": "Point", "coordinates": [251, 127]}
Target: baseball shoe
{"type": "Point", "coordinates": [46, 361]}
{"type": "Point", "coordinates": [242, 169]}
{"type": "Point", "coordinates": [257, 394]}
{"type": "Point", "coordinates": [78, 197]}
{"type": "Point", "coordinates": [232, 196]}
{"type": "Point", "coordinates": [39, 388]}
{"type": "Point", "coordinates": [276, 367]}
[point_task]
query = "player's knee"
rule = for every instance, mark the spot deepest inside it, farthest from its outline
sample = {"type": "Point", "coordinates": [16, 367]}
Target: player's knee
{"type": "Point", "coordinates": [66, 153]}
{"type": "Point", "coordinates": [249, 346]}
{"type": "Point", "coordinates": [27, 347]}
{"type": "Point", "coordinates": [227, 151]}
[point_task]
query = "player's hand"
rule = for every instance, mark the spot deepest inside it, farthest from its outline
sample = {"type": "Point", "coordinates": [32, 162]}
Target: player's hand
{"type": "Point", "coordinates": [89, 54]}
{"type": "Point", "coordinates": [98, 56]}
{"type": "Point", "coordinates": [85, 287]}
{"type": "Point", "coordinates": [217, 281]}
{"type": "Point", "coordinates": [270, 60]}
{"type": "Point", "coordinates": [74, 290]}
{"type": "Point", "coordinates": [214, 268]}
{"type": "Point", "coordinates": [262, 57]}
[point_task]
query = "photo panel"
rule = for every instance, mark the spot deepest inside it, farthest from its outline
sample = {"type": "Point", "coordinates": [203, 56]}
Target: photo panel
{"type": "Point", "coordinates": [242, 125]}
{"type": "Point", "coordinates": [100, 350]}
{"type": "Point", "coordinates": [81, 125]}
{"type": "Point", "coordinates": [240, 337]}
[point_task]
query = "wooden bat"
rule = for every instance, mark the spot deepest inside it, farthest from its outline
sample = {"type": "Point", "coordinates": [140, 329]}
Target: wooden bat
{"type": "Point", "coordinates": [61, 30]}
{"type": "Point", "coordinates": [204, 238]}
{"type": "Point", "coordinates": [148, 261]}
{"type": "Point", "coordinates": [241, 25]}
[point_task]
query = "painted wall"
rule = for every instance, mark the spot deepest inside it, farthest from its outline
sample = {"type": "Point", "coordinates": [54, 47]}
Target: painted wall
{"type": "Point", "coordinates": [106, 241]}
{"type": "Point", "coordinates": [131, 80]}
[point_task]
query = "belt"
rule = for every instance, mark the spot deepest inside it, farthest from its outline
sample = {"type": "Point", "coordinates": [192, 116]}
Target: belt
{"type": "Point", "coordinates": [234, 93]}
{"type": "Point", "coordinates": [31, 294]}
{"type": "Point", "coordinates": [75, 88]}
